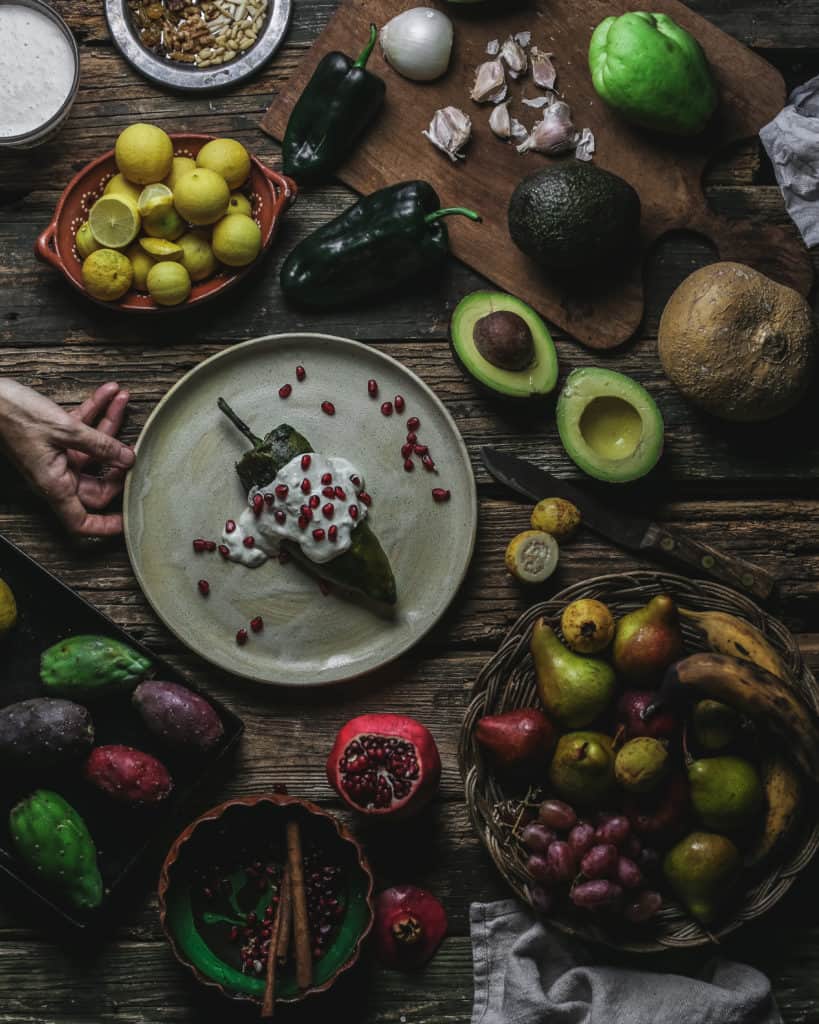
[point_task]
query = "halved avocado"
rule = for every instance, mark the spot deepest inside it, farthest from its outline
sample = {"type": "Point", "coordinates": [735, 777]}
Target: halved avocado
{"type": "Point", "coordinates": [609, 424]}
{"type": "Point", "coordinates": [504, 345]}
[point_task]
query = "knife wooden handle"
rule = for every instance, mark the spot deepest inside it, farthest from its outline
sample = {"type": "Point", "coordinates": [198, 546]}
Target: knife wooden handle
{"type": "Point", "coordinates": [719, 566]}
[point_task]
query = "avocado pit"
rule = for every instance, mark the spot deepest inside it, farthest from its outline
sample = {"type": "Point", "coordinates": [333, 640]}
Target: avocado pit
{"type": "Point", "coordinates": [504, 340]}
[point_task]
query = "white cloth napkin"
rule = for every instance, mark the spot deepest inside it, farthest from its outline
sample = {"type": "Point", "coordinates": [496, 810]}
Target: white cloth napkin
{"type": "Point", "coordinates": [529, 973]}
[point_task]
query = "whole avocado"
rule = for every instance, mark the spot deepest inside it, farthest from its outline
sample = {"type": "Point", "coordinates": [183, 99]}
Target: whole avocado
{"type": "Point", "coordinates": [91, 666]}
{"type": "Point", "coordinates": [43, 732]}
{"type": "Point", "coordinates": [653, 72]}
{"type": "Point", "coordinates": [574, 215]}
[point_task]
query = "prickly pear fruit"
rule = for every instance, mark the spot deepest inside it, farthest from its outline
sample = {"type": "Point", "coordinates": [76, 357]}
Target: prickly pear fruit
{"type": "Point", "coordinates": [43, 732]}
{"type": "Point", "coordinates": [91, 666]}
{"type": "Point", "coordinates": [128, 775]}
{"type": "Point", "coordinates": [51, 838]}
{"type": "Point", "coordinates": [177, 715]}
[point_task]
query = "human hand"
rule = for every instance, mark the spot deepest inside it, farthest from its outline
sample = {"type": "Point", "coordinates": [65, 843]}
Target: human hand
{"type": "Point", "coordinates": [53, 448]}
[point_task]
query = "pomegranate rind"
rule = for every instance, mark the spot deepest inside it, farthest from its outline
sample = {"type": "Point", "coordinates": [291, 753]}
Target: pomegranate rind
{"type": "Point", "coordinates": [394, 903]}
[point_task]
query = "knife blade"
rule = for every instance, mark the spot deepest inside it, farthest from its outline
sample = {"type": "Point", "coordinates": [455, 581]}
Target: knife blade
{"type": "Point", "coordinates": [629, 530]}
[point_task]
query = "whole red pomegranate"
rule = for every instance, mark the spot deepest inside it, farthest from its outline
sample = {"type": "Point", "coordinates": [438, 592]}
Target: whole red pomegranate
{"type": "Point", "coordinates": [661, 817]}
{"type": "Point", "coordinates": [410, 924]}
{"type": "Point", "coordinates": [630, 708]}
{"type": "Point", "coordinates": [384, 765]}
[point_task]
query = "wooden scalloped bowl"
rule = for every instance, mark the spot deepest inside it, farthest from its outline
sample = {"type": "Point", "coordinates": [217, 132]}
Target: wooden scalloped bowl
{"type": "Point", "coordinates": [270, 194]}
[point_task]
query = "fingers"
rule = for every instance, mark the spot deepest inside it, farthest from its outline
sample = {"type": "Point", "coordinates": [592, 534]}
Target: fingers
{"type": "Point", "coordinates": [113, 406]}
{"type": "Point", "coordinates": [96, 493]}
{"type": "Point", "coordinates": [102, 447]}
{"type": "Point", "coordinates": [83, 523]}
{"type": "Point", "coordinates": [95, 403]}
{"type": "Point", "coordinates": [115, 414]}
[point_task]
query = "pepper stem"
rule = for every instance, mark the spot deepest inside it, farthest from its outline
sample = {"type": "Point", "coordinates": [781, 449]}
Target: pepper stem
{"type": "Point", "coordinates": [240, 424]}
{"type": "Point", "coordinates": [364, 56]}
{"type": "Point", "coordinates": [449, 211]}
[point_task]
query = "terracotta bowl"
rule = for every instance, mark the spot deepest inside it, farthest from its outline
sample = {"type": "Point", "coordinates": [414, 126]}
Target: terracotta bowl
{"type": "Point", "coordinates": [204, 891]}
{"type": "Point", "coordinates": [270, 194]}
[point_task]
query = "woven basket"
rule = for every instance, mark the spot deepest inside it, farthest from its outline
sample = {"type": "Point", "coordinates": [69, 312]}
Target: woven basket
{"type": "Point", "coordinates": [507, 681]}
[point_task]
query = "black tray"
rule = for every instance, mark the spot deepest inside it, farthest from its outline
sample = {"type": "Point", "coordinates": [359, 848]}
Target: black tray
{"type": "Point", "coordinates": [48, 611]}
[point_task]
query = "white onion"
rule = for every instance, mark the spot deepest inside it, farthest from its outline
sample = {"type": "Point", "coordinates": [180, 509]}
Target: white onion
{"type": "Point", "coordinates": [418, 43]}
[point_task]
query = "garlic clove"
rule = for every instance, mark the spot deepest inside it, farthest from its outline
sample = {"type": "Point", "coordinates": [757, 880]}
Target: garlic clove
{"type": "Point", "coordinates": [585, 145]}
{"type": "Point", "coordinates": [514, 57]}
{"type": "Point", "coordinates": [518, 130]}
{"type": "Point", "coordinates": [538, 102]}
{"type": "Point", "coordinates": [500, 121]}
{"type": "Point", "coordinates": [556, 133]}
{"type": "Point", "coordinates": [450, 130]}
{"type": "Point", "coordinates": [543, 70]}
{"type": "Point", "coordinates": [493, 47]}
{"type": "Point", "coordinates": [523, 39]}
{"type": "Point", "coordinates": [490, 83]}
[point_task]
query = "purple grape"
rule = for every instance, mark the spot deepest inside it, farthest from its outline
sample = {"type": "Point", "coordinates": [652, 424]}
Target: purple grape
{"type": "Point", "coordinates": [538, 868]}
{"type": "Point", "coordinates": [537, 837]}
{"type": "Point", "coordinates": [642, 909]}
{"type": "Point", "coordinates": [542, 898]}
{"type": "Point", "coordinates": [599, 893]}
{"type": "Point", "coordinates": [557, 815]}
{"type": "Point", "coordinates": [600, 861]}
{"type": "Point", "coordinates": [581, 838]}
{"type": "Point", "coordinates": [628, 874]}
{"type": "Point", "coordinates": [562, 865]}
{"type": "Point", "coordinates": [632, 847]}
{"type": "Point", "coordinates": [649, 860]}
{"type": "Point", "coordinates": [615, 830]}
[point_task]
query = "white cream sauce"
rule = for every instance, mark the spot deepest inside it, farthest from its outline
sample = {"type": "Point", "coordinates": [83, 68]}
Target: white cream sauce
{"type": "Point", "coordinates": [289, 511]}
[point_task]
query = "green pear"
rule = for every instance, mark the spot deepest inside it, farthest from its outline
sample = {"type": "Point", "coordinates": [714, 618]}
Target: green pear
{"type": "Point", "coordinates": [574, 690]}
{"type": "Point", "coordinates": [582, 768]}
{"type": "Point", "coordinates": [715, 724]}
{"type": "Point", "coordinates": [701, 870]}
{"type": "Point", "coordinates": [726, 792]}
{"type": "Point", "coordinates": [641, 764]}
{"type": "Point", "coordinates": [647, 641]}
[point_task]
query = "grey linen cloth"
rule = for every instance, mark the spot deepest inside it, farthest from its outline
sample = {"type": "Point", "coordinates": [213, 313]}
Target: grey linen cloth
{"type": "Point", "coordinates": [791, 141]}
{"type": "Point", "coordinates": [529, 973]}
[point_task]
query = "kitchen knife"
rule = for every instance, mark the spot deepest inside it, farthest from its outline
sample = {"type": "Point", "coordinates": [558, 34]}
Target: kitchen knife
{"type": "Point", "coordinates": [630, 531]}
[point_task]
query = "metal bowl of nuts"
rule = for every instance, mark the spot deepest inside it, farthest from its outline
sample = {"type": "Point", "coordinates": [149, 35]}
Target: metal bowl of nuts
{"type": "Point", "coordinates": [197, 45]}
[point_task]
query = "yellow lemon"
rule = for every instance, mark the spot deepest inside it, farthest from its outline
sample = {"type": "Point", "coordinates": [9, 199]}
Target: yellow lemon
{"type": "Point", "coordinates": [236, 240]}
{"type": "Point", "coordinates": [114, 222]}
{"type": "Point", "coordinates": [239, 203]}
{"type": "Point", "coordinates": [141, 263]}
{"type": "Point", "coordinates": [85, 241]}
{"type": "Point", "coordinates": [164, 224]}
{"type": "Point", "coordinates": [161, 249]}
{"type": "Point", "coordinates": [202, 196]}
{"type": "Point", "coordinates": [197, 258]}
{"type": "Point", "coordinates": [8, 608]}
{"type": "Point", "coordinates": [228, 158]}
{"type": "Point", "coordinates": [120, 186]}
{"type": "Point", "coordinates": [169, 283]}
{"type": "Point", "coordinates": [144, 153]}
{"type": "Point", "coordinates": [181, 165]}
{"type": "Point", "coordinates": [107, 274]}
{"type": "Point", "coordinates": [154, 199]}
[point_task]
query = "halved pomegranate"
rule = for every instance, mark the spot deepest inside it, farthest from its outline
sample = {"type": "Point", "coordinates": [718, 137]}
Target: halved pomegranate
{"type": "Point", "coordinates": [410, 925]}
{"type": "Point", "coordinates": [385, 765]}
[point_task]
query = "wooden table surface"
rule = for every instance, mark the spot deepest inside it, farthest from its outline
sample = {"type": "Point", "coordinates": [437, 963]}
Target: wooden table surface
{"type": "Point", "coordinates": [752, 490]}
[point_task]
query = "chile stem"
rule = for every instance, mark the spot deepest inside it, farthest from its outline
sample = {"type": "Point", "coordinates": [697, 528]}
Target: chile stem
{"type": "Point", "coordinates": [449, 211]}
{"type": "Point", "coordinates": [240, 424]}
{"type": "Point", "coordinates": [364, 56]}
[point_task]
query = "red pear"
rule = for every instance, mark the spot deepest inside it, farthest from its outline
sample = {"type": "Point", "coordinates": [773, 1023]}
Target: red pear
{"type": "Point", "coordinates": [518, 743]}
{"type": "Point", "coordinates": [647, 641]}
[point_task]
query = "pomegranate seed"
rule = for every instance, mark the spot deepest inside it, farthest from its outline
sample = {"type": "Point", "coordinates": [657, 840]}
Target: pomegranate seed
{"type": "Point", "coordinates": [301, 373]}
{"type": "Point", "coordinates": [249, 542]}
{"type": "Point", "coordinates": [230, 526]}
{"type": "Point", "coordinates": [427, 463]}
{"type": "Point", "coordinates": [204, 587]}
{"type": "Point", "coordinates": [282, 490]}
{"type": "Point", "coordinates": [340, 493]}
{"type": "Point", "coordinates": [268, 499]}
{"type": "Point", "coordinates": [399, 403]}
{"type": "Point", "coordinates": [314, 501]}
{"type": "Point", "coordinates": [364, 498]}
{"type": "Point", "coordinates": [241, 637]}
{"type": "Point", "coordinates": [305, 461]}
{"type": "Point", "coordinates": [324, 586]}
{"type": "Point", "coordinates": [303, 522]}
{"type": "Point", "coordinates": [234, 933]}
{"type": "Point", "coordinates": [372, 387]}
{"type": "Point", "coordinates": [421, 449]}
{"type": "Point", "coordinates": [257, 624]}
{"type": "Point", "coordinates": [386, 408]}
{"type": "Point", "coordinates": [306, 486]}
{"type": "Point", "coordinates": [258, 504]}
{"type": "Point", "coordinates": [413, 423]}
{"type": "Point", "coordinates": [307, 512]}
{"type": "Point", "coordinates": [329, 492]}
{"type": "Point", "coordinates": [409, 465]}
{"type": "Point", "coordinates": [318, 534]}
{"type": "Point", "coordinates": [280, 516]}
{"type": "Point", "coordinates": [329, 510]}
{"type": "Point", "coordinates": [210, 545]}
{"type": "Point", "coordinates": [439, 494]}
{"type": "Point", "coordinates": [406, 450]}
{"type": "Point", "coordinates": [285, 390]}
{"type": "Point", "coordinates": [332, 533]}
{"type": "Point", "coordinates": [284, 556]}
{"type": "Point", "coordinates": [328, 408]}
{"type": "Point", "coordinates": [353, 510]}
{"type": "Point", "coordinates": [411, 438]}
{"type": "Point", "coordinates": [326, 478]}
{"type": "Point", "coordinates": [356, 481]}
{"type": "Point", "coordinates": [199, 546]}
{"type": "Point", "coordinates": [224, 550]}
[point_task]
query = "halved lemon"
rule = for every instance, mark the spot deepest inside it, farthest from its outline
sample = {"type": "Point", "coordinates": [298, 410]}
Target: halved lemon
{"type": "Point", "coordinates": [161, 248]}
{"type": "Point", "coordinates": [114, 221]}
{"type": "Point", "coordinates": [154, 199]}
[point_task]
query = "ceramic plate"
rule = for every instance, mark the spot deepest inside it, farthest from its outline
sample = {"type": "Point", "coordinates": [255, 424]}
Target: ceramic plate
{"type": "Point", "coordinates": [183, 486]}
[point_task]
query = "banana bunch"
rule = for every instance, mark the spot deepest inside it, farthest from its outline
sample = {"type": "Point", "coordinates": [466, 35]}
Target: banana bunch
{"type": "Point", "coordinates": [728, 634]}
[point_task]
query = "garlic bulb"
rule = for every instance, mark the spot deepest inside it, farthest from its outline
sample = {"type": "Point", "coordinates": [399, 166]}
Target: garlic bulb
{"type": "Point", "coordinates": [490, 83]}
{"type": "Point", "coordinates": [450, 130]}
{"type": "Point", "coordinates": [418, 43]}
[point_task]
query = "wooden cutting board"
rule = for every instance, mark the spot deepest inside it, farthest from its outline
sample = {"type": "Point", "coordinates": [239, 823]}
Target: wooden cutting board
{"type": "Point", "coordinates": [601, 311]}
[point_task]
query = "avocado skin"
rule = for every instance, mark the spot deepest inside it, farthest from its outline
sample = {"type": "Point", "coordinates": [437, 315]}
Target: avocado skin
{"type": "Point", "coordinates": [574, 215]}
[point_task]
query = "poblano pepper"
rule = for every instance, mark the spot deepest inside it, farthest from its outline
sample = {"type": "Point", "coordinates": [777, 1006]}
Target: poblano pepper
{"type": "Point", "coordinates": [379, 243]}
{"type": "Point", "coordinates": [337, 105]}
{"type": "Point", "coordinates": [363, 567]}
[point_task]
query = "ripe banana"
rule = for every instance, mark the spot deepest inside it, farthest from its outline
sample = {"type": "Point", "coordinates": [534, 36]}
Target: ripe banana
{"type": "Point", "coordinates": [783, 792]}
{"type": "Point", "coordinates": [728, 634]}
{"type": "Point", "coordinates": [754, 692]}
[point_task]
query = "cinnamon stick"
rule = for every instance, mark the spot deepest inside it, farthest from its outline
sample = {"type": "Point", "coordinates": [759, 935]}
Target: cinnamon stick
{"type": "Point", "coordinates": [301, 925]}
{"type": "Point", "coordinates": [286, 908]}
{"type": "Point", "coordinates": [269, 1001]}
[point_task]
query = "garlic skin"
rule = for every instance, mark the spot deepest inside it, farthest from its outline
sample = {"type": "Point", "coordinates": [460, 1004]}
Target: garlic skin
{"type": "Point", "coordinates": [418, 43]}
{"type": "Point", "coordinates": [450, 130]}
{"type": "Point", "coordinates": [514, 57]}
{"type": "Point", "coordinates": [585, 145]}
{"type": "Point", "coordinates": [490, 83]}
{"type": "Point", "coordinates": [556, 133]}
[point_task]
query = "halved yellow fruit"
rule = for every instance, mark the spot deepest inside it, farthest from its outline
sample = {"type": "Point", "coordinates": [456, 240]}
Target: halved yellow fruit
{"type": "Point", "coordinates": [161, 248]}
{"type": "Point", "coordinates": [154, 199]}
{"type": "Point", "coordinates": [114, 221]}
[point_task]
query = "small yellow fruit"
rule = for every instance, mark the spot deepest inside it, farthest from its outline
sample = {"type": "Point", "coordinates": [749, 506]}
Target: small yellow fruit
{"type": "Point", "coordinates": [144, 153]}
{"type": "Point", "coordinates": [587, 626]}
{"type": "Point", "coordinates": [532, 556]}
{"type": "Point", "coordinates": [181, 166]}
{"type": "Point", "coordinates": [228, 158]}
{"type": "Point", "coordinates": [164, 224]}
{"type": "Point", "coordinates": [169, 284]}
{"type": "Point", "coordinates": [202, 196]}
{"type": "Point", "coordinates": [154, 199]}
{"type": "Point", "coordinates": [107, 274]}
{"type": "Point", "coordinates": [8, 608]}
{"type": "Point", "coordinates": [239, 203]}
{"type": "Point", "coordinates": [161, 248]}
{"type": "Point", "coordinates": [86, 244]}
{"type": "Point", "coordinates": [141, 263]}
{"type": "Point", "coordinates": [237, 240]}
{"type": "Point", "coordinates": [120, 186]}
{"type": "Point", "coordinates": [197, 256]}
{"type": "Point", "coordinates": [114, 222]}
{"type": "Point", "coordinates": [556, 516]}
